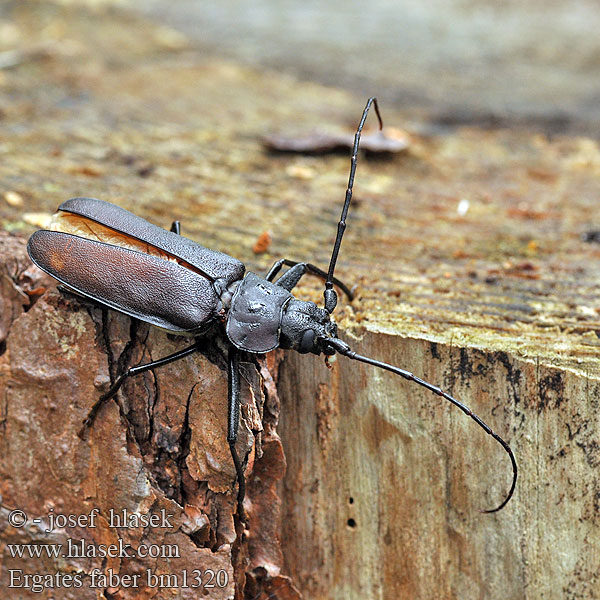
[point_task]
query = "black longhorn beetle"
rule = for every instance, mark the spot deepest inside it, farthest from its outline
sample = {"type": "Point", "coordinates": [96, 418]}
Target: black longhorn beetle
{"type": "Point", "coordinates": [169, 281]}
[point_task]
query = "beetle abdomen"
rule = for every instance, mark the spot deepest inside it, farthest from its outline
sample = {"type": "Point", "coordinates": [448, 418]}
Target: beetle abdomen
{"type": "Point", "coordinates": [157, 291]}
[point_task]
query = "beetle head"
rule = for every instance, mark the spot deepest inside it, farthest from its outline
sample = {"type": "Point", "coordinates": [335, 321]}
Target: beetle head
{"type": "Point", "coordinates": [305, 326]}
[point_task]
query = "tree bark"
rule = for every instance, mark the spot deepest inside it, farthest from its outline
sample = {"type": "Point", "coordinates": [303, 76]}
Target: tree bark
{"type": "Point", "coordinates": [159, 451]}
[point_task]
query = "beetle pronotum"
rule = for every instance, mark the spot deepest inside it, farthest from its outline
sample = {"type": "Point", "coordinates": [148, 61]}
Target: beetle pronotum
{"type": "Point", "coordinates": [169, 281]}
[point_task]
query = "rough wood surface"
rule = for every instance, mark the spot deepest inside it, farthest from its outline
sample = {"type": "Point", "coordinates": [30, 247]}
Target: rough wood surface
{"type": "Point", "coordinates": [496, 300]}
{"type": "Point", "coordinates": [385, 483]}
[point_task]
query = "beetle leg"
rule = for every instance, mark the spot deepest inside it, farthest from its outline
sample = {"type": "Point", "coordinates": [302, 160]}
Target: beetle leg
{"type": "Point", "coordinates": [176, 227]}
{"type": "Point", "coordinates": [290, 278]}
{"type": "Point", "coordinates": [275, 269]}
{"type": "Point", "coordinates": [233, 422]}
{"type": "Point", "coordinates": [129, 373]}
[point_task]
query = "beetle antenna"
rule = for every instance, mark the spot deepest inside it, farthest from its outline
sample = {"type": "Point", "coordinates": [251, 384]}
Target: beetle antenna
{"type": "Point", "coordinates": [329, 294]}
{"type": "Point", "coordinates": [343, 348]}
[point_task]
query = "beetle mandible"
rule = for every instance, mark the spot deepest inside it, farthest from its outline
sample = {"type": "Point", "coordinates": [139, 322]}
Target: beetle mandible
{"type": "Point", "coordinates": [169, 281]}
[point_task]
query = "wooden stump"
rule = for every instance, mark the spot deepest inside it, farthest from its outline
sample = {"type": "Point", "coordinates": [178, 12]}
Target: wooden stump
{"type": "Point", "coordinates": [385, 481]}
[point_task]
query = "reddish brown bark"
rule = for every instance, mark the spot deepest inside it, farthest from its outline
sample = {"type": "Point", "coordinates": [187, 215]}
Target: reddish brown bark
{"type": "Point", "coordinates": [160, 450]}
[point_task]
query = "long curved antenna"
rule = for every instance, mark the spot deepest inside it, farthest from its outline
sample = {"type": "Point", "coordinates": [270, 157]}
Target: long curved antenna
{"type": "Point", "coordinates": [329, 293]}
{"type": "Point", "coordinates": [343, 348]}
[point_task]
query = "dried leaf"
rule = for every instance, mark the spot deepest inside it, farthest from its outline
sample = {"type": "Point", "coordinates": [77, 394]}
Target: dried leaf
{"type": "Point", "coordinates": [262, 243]}
{"type": "Point", "coordinates": [388, 140]}
{"type": "Point", "coordinates": [88, 170]}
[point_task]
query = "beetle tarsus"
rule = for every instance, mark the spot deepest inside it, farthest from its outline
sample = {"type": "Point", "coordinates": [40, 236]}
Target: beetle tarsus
{"type": "Point", "coordinates": [116, 385]}
{"type": "Point", "coordinates": [241, 479]}
{"type": "Point", "coordinates": [91, 416]}
{"type": "Point", "coordinates": [233, 394]}
{"type": "Point", "coordinates": [85, 427]}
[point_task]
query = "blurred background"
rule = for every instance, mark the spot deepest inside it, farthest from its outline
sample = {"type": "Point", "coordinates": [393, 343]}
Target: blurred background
{"type": "Point", "coordinates": [488, 62]}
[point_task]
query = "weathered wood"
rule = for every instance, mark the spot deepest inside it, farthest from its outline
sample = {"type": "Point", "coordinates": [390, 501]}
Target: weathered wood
{"type": "Point", "coordinates": [385, 481]}
{"type": "Point", "coordinates": [496, 301]}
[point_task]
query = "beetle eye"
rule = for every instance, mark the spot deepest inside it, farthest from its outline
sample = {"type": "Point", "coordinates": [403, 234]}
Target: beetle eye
{"type": "Point", "coordinates": [308, 341]}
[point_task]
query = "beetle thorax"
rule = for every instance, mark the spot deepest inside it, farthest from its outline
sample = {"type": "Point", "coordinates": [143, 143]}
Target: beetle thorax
{"type": "Point", "coordinates": [263, 316]}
